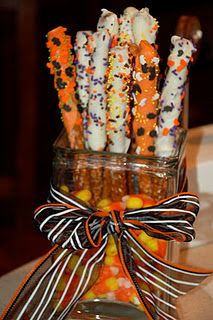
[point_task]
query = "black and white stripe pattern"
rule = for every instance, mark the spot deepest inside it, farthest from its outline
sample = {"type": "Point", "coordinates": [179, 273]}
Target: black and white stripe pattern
{"type": "Point", "coordinates": [158, 282]}
{"type": "Point", "coordinates": [170, 219]}
{"type": "Point", "coordinates": [76, 228]}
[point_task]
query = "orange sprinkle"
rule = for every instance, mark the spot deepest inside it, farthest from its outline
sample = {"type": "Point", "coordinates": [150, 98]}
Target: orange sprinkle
{"type": "Point", "coordinates": [155, 27]}
{"type": "Point", "coordinates": [89, 70]}
{"type": "Point", "coordinates": [170, 63]}
{"type": "Point", "coordinates": [183, 95]}
{"type": "Point", "coordinates": [120, 58]}
{"type": "Point", "coordinates": [165, 131]}
{"type": "Point", "coordinates": [114, 42]}
{"type": "Point", "coordinates": [182, 65]}
{"type": "Point", "coordinates": [176, 122]}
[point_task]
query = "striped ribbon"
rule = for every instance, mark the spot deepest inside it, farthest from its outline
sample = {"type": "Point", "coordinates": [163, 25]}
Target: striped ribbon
{"type": "Point", "coordinates": [81, 234]}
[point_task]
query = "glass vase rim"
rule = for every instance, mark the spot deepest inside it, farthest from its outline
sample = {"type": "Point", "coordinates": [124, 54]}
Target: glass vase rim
{"type": "Point", "coordinates": [182, 134]}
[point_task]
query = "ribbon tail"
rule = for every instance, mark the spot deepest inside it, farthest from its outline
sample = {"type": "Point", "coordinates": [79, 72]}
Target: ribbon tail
{"type": "Point", "coordinates": [129, 267]}
{"type": "Point", "coordinates": [56, 284]}
{"type": "Point", "coordinates": [158, 282]}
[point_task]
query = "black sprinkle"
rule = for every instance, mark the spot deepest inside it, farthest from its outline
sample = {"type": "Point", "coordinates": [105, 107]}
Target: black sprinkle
{"type": "Point", "coordinates": [80, 109]}
{"type": "Point", "coordinates": [58, 73]}
{"type": "Point", "coordinates": [151, 115]}
{"type": "Point", "coordinates": [69, 71]}
{"type": "Point", "coordinates": [136, 88]}
{"type": "Point", "coordinates": [56, 64]}
{"type": "Point", "coordinates": [56, 41]}
{"type": "Point", "coordinates": [152, 73]}
{"type": "Point", "coordinates": [144, 68]}
{"type": "Point", "coordinates": [60, 83]}
{"type": "Point", "coordinates": [140, 131]}
{"type": "Point", "coordinates": [151, 148]}
{"type": "Point", "coordinates": [66, 107]}
{"type": "Point", "coordinates": [168, 109]}
{"type": "Point", "coordinates": [153, 133]}
{"type": "Point", "coordinates": [180, 53]}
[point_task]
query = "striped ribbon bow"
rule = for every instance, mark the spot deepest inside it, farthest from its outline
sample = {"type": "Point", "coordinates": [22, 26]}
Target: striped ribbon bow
{"type": "Point", "coordinates": [81, 234]}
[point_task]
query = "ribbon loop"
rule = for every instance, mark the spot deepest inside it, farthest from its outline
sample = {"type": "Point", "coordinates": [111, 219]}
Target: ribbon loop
{"type": "Point", "coordinates": [72, 225]}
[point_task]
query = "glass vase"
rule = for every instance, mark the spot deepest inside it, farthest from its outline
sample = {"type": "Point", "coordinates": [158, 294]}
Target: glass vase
{"type": "Point", "coordinates": [110, 181]}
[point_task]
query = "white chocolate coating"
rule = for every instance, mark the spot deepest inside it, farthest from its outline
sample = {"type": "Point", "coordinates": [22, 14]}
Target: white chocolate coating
{"type": "Point", "coordinates": [108, 20]}
{"type": "Point", "coordinates": [130, 11]}
{"type": "Point", "coordinates": [82, 65]}
{"type": "Point", "coordinates": [118, 99]}
{"type": "Point", "coordinates": [83, 46]}
{"type": "Point", "coordinates": [144, 26]}
{"type": "Point", "coordinates": [172, 95]}
{"type": "Point", "coordinates": [125, 29]}
{"type": "Point", "coordinates": [97, 100]}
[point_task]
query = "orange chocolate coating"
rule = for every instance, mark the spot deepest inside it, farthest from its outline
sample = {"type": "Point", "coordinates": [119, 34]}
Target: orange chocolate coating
{"type": "Point", "coordinates": [145, 95]}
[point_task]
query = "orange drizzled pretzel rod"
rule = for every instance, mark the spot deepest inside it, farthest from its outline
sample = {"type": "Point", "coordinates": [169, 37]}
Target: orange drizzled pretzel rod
{"type": "Point", "coordinates": [61, 64]}
{"type": "Point", "coordinates": [144, 27]}
{"type": "Point", "coordinates": [62, 67]}
{"type": "Point", "coordinates": [145, 75]}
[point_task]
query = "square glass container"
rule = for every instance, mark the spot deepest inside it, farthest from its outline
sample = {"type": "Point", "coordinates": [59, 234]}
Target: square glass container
{"type": "Point", "coordinates": [110, 181]}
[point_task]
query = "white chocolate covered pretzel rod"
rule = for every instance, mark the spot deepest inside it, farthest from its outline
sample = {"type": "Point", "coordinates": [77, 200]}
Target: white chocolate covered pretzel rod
{"type": "Point", "coordinates": [97, 100]}
{"type": "Point", "coordinates": [119, 77]}
{"type": "Point", "coordinates": [118, 111]}
{"type": "Point", "coordinates": [172, 95]}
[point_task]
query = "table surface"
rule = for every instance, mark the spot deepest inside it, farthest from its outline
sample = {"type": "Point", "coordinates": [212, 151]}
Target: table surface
{"type": "Point", "coordinates": [200, 147]}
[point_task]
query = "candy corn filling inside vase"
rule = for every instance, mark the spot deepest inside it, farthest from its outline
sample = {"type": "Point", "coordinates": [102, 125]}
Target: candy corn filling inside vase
{"type": "Point", "coordinates": [112, 282]}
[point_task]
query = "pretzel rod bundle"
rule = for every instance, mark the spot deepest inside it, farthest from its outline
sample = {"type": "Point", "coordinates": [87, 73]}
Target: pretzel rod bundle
{"type": "Point", "coordinates": [62, 67]}
{"type": "Point", "coordinates": [104, 78]}
{"type": "Point", "coordinates": [172, 95]}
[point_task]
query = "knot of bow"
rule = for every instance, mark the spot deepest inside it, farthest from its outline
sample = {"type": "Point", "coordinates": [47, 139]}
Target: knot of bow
{"type": "Point", "coordinates": [70, 223]}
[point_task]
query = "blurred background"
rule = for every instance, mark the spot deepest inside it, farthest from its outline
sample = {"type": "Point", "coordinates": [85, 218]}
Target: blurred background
{"type": "Point", "coordinates": [30, 120]}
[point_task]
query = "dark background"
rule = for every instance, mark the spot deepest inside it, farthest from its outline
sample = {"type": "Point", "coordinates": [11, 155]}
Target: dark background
{"type": "Point", "coordinates": [30, 120]}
